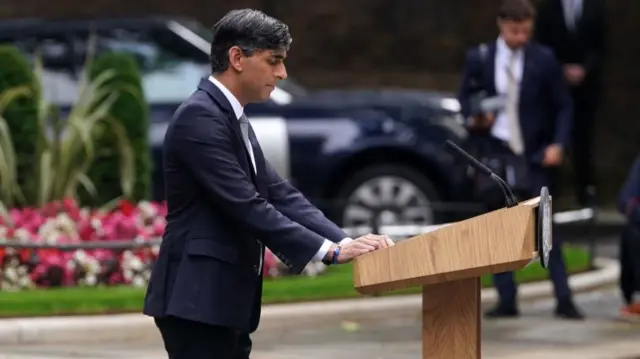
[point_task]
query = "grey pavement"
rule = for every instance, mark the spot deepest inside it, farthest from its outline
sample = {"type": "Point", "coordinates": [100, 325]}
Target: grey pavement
{"type": "Point", "coordinates": [535, 335]}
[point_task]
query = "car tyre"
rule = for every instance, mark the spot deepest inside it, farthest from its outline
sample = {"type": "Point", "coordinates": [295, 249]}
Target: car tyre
{"type": "Point", "coordinates": [387, 181]}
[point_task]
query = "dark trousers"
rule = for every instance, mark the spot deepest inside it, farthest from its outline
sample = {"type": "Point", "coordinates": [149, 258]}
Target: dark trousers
{"type": "Point", "coordinates": [629, 257]}
{"type": "Point", "coordinates": [186, 339]}
{"type": "Point", "coordinates": [505, 283]}
{"type": "Point", "coordinates": [582, 142]}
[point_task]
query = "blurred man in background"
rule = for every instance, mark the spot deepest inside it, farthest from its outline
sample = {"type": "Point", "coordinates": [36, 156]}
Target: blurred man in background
{"type": "Point", "coordinates": [534, 125]}
{"type": "Point", "coordinates": [575, 31]}
{"type": "Point", "coordinates": [629, 206]}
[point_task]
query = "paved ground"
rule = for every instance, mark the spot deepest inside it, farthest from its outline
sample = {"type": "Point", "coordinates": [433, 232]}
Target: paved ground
{"type": "Point", "coordinates": [535, 335]}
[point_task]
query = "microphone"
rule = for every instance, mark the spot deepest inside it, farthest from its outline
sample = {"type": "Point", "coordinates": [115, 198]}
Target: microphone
{"type": "Point", "coordinates": [452, 148]}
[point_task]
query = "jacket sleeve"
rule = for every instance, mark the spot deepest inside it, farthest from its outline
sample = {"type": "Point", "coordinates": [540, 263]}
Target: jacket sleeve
{"type": "Point", "coordinates": [288, 200]}
{"type": "Point", "coordinates": [202, 141]}
{"type": "Point", "coordinates": [629, 196]}
{"type": "Point", "coordinates": [560, 99]}
{"type": "Point", "coordinates": [469, 85]}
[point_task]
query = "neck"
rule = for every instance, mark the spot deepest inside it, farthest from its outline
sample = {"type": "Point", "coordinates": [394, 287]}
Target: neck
{"type": "Point", "coordinates": [231, 84]}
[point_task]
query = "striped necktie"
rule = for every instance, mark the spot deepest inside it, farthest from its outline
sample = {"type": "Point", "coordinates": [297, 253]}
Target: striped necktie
{"type": "Point", "coordinates": [244, 127]}
{"type": "Point", "coordinates": [513, 94]}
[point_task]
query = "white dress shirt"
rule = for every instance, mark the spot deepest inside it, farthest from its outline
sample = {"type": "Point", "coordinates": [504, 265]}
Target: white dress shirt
{"type": "Point", "coordinates": [500, 128]}
{"type": "Point", "coordinates": [238, 110]}
{"type": "Point", "coordinates": [572, 10]}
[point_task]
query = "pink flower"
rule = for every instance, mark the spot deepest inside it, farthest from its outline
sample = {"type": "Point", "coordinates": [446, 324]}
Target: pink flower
{"type": "Point", "coordinates": [126, 208]}
{"type": "Point", "coordinates": [64, 221]}
{"type": "Point", "coordinates": [86, 232]}
{"type": "Point", "coordinates": [270, 264]}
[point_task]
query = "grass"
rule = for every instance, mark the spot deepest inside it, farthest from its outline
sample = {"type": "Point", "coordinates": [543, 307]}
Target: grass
{"type": "Point", "coordinates": [334, 284]}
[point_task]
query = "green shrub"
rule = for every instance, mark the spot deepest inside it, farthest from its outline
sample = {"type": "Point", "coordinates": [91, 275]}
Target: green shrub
{"type": "Point", "coordinates": [131, 110]}
{"type": "Point", "coordinates": [21, 118]}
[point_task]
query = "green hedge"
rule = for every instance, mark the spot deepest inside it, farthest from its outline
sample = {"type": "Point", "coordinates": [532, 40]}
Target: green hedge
{"type": "Point", "coordinates": [133, 112]}
{"type": "Point", "coordinates": [21, 115]}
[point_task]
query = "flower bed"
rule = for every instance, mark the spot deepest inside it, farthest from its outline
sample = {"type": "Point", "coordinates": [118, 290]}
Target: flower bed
{"type": "Point", "coordinates": [63, 222]}
{"type": "Point", "coordinates": [336, 283]}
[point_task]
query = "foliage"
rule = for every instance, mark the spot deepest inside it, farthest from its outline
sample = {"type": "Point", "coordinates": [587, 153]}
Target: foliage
{"type": "Point", "coordinates": [18, 125]}
{"type": "Point", "coordinates": [337, 282]}
{"type": "Point", "coordinates": [131, 110]}
{"type": "Point", "coordinates": [64, 148]}
{"type": "Point", "coordinates": [64, 222]}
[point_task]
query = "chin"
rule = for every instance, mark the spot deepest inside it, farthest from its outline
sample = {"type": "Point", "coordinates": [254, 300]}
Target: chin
{"type": "Point", "coordinates": [266, 95]}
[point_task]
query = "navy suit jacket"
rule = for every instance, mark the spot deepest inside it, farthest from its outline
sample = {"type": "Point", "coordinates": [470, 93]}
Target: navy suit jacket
{"type": "Point", "coordinates": [546, 108]}
{"type": "Point", "coordinates": [220, 214]}
{"type": "Point", "coordinates": [630, 194]}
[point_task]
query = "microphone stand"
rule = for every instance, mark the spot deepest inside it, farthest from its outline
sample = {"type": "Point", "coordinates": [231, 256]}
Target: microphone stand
{"type": "Point", "coordinates": [510, 198]}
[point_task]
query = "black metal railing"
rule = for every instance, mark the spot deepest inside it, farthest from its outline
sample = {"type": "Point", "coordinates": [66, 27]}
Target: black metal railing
{"type": "Point", "coordinates": [397, 232]}
{"type": "Point", "coordinates": [126, 261]}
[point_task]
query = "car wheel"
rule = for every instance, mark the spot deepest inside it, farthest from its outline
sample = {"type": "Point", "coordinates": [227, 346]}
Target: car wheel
{"type": "Point", "coordinates": [385, 195]}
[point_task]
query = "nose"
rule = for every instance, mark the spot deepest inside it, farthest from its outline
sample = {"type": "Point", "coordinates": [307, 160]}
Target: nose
{"type": "Point", "coordinates": [281, 72]}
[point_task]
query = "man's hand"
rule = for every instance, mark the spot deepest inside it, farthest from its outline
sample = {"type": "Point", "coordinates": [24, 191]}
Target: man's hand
{"type": "Point", "coordinates": [483, 121]}
{"type": "Point", "coordinates": [552, 156]}
{"type": "Point", "coordinates": [574, 73]}
{"type": "Point", "coordinates": [361, 245]}
{"type": "Point", "coordinates": [379, 240]}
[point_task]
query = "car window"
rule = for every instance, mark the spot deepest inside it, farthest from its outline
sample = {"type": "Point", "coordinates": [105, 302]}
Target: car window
{"type": "Point", "coordinates": [170, 69]}
{"type": "Point", "coordinates": [58, 76]}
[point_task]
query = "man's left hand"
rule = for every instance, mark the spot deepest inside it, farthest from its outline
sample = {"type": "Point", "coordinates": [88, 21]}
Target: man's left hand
{"type": "Point", "coordinates": [380, 240]}
{"type": "Point", "coordinates": [574, 73]}
{"type": "Point", "coordinates": [552, 156]}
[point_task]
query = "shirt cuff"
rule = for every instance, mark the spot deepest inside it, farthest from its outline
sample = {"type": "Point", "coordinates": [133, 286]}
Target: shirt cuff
{"type": "Point", "coordinates": [325, 248]}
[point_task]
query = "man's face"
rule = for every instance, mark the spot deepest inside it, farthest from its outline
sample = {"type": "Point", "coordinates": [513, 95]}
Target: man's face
{"type": "Point", "coordinates": [515, 33]}
{"type": "Point", "coordinates": [261, 72]}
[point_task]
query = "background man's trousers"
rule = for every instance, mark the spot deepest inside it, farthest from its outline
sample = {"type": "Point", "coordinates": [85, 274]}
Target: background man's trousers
{"type": "Point", "coordinates": [505, 283]}
{"type": "Point", "coordinates": [585, 106]}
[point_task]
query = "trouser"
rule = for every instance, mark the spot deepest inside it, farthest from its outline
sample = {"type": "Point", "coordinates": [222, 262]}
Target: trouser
{"type": "Point", "coordinates": [186, 339]}
{"type": "Point", "coordinates": [629, 257]}
{"type": "Point", "coordinates": [582, 143]}
{"type": "Point", "coordinates": [505, 283]}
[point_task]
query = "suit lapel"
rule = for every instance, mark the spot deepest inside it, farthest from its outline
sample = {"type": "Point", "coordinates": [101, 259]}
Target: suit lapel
{"type": "Point", "coordinates": [224, 104]}
{"type": "Point", "coordinates": [527, 67]}
{"type": "Point", "coordinates": [490, 69]}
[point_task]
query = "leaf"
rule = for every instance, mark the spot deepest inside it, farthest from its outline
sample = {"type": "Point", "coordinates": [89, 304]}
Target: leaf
{"type": "Point", "coordinates": [349, 326]}
{"type": "Point", "coordinates": [127, 156]}
{"type": "Point", "coordinates": [46, 177]}
{"type": "Point", "coordinates": [84, 180]}
{"type": "Point", "coordinates": [8, 164]}
{"type": "Point", "coordinates": [4, 213]}
{"type": "Point", "coordinates": [111, 205]}
{"type": "Point", "coordinates": [10, 95]}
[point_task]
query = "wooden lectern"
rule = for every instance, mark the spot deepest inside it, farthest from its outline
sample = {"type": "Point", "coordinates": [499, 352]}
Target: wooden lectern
{"type": "Point", "coordinates": [448, 263]}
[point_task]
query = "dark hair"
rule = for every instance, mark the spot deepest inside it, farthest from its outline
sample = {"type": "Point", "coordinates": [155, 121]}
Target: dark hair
{"type": "Point", "coordinates": [516, 10]}
{"type": "Point", "coordinates": [250, 30]}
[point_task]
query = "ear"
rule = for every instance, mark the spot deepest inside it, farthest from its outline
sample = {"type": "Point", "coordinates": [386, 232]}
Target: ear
{"type": "Point", "coordinates": [236, 58]}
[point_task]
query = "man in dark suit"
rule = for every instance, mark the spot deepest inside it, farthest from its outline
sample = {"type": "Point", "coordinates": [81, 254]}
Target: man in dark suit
{"type": "Point", "coordinates": [226, 203]}
{"type": "Point", "coordinates": [629, 253]}
{"type": "Point", "coordinates": [535, 123]}
{"type": "Point", "coordinates": [575, 31]}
